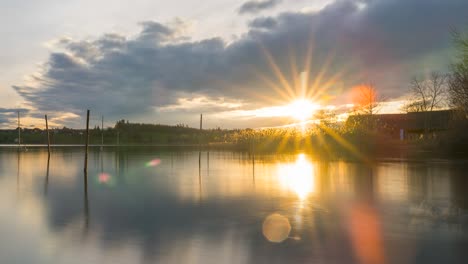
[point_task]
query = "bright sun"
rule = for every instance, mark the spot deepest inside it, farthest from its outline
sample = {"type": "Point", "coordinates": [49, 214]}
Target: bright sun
{"type": "Point", "coordinates": [301, 109]}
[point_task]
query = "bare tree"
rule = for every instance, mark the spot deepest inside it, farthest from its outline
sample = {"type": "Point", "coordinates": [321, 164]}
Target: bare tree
{"type": "Point", "coordinates": [427, 94]}
{"type": "Point", "coordinates": [366, 104]}
{"type": "Point", "coordinates": [366, 99]}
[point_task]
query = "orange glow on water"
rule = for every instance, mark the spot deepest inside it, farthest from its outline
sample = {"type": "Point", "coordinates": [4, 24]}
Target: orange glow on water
{"type": "Point", "coordinates": [298, 177]}
{"type": "Point", "coordinates": [365, 231]}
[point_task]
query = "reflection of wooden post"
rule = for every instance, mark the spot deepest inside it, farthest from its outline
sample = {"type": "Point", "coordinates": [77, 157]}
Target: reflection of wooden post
{"type": "Point", "coordinates": [48, 135]}
{"type": "Point", "coordinates": [199, 159]}
{"type": "Point", "coordinates": [46, 185]}
{"type": "Point", "coordinates": [86, 203]}
{"type": "Point", "coordinates": [86, 144]}
{"type": "Point", "coordinates": [201, 128]}
{"type": "Point", "coordinates": [18, 174]}
{"type": "Point", "coordinates": [252, 152]}
{"type": "Point", "coordinates": [199, 175]}
{"type": "Point", "coordinates": [102, 162]}
{"type": "Point", "coordinates": [253, 169]}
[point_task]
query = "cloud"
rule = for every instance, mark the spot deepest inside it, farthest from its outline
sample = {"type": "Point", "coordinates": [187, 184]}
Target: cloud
{"type": "Point", "coordinates": [263, 22]}
{"type": "Point", "coordinates": [8, 114]}
{"type": "Point", "coordinates": [256, 6]}
{"type": "Point", "coordinates": [345, 43]}
{"type": "Point", "coordinates": [13, 110]}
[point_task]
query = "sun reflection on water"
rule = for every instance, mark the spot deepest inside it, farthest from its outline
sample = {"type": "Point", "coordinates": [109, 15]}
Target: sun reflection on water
{"type": "Point", "coordinates": [298, 177]}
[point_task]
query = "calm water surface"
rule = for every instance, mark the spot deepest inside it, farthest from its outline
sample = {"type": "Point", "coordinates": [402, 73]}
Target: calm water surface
{"type": "Point", "coordinates": [154, 206]}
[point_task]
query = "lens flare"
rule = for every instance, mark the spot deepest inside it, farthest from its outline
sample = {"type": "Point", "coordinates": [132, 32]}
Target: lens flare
{"type": "Point", "coordinates": [276, 228]}
{"type": "Point", "coordinates": [153, 163]}
{"type": "Point", "coordinates": [301, 109]}
{"type": "Point", "coordinates": [104, 178]}
{"type": "Point", "coordinates": [366, 234]}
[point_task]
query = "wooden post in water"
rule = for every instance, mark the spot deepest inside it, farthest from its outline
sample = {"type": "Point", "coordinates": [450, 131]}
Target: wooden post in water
{"type": "Point", "coordinates": [102, 132]}
{"type": "Point", "coordinates": [85, 176]}
{"type": "Point", "coordinates": [201, 122]}
{"type": "Point", "coordinates": [86, 143]}
{"type": "Point", "coordinates": [48, 135]}
{"type": "Point", "coordinates": [19, 131]}
{"type": "Point", "coordinates": [199, 156]}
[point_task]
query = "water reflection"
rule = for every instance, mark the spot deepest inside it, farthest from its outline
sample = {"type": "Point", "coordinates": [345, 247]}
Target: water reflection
{"type": "Point", "coordinates": [85, 202]}
{"type": "Point", "coordinates": [298, 176]}
{"type": "Point", "coordinates": [46, 182]}
{"type": "Point", "coordinates": [392, 212]}
{"type": "Point", "coordinates": [366, 234]}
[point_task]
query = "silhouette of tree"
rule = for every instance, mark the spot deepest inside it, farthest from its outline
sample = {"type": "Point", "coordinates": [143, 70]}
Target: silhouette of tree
{"type": "Point", "coordinates": [427, 93]}
{"type": "Point", "coordinates": [458, 81]}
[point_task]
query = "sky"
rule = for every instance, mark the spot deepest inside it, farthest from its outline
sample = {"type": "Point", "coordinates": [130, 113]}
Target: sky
{"type": "Point", "coordinates": [237, 62]}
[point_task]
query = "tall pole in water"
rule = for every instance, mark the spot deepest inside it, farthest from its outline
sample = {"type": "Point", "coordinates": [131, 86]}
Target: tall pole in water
{"type": "Point", "coordinates": [102, 131]}
{"type": "Point", "coordinates": [48, 135]}
{"type": "Point", "coordinates": [19, 130]}
{"type": "Point", "coordinates": [201, 122]}
{"type": "Point", "coordinates": [86, 147]}
{"type": "Point", "coordinates": [199, 155]}
{"type": "Point", "coordinates": [201, 128]}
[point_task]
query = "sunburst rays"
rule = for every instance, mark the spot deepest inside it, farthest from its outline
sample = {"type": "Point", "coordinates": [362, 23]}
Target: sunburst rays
{"type": "Point", "coordinates": [310, 82]}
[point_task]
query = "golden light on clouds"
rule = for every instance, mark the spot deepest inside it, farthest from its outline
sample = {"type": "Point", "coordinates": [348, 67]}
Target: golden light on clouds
{"type": "Point", "coordinates": [299, 110]}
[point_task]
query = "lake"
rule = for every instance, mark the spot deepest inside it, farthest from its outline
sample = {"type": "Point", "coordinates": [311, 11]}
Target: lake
{"type": "Point", "coordinates": [149, 205]}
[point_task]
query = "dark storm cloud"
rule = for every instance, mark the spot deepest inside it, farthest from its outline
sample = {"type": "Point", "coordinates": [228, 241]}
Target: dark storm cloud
{"type": "Point", "coordinates": [12, 110]}
{"type": "Point", "coordinates": [380, 41]}
{"type": "Point", "coordinates": [263, 22]}
{"type": "Point", "coordinates": [256, 6]}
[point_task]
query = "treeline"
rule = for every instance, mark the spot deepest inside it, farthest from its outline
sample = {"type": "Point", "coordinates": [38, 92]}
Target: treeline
{"type": "Point", "coordinates": [361, 140]}
{"type": "Point", "coordinates": [323, 140]}
{"type": "Point", "coordinates": [123, 133]}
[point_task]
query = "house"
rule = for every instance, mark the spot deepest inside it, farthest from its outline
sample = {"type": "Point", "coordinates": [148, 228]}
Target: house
{"type": "Point", "coordinates": [411, 125]}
